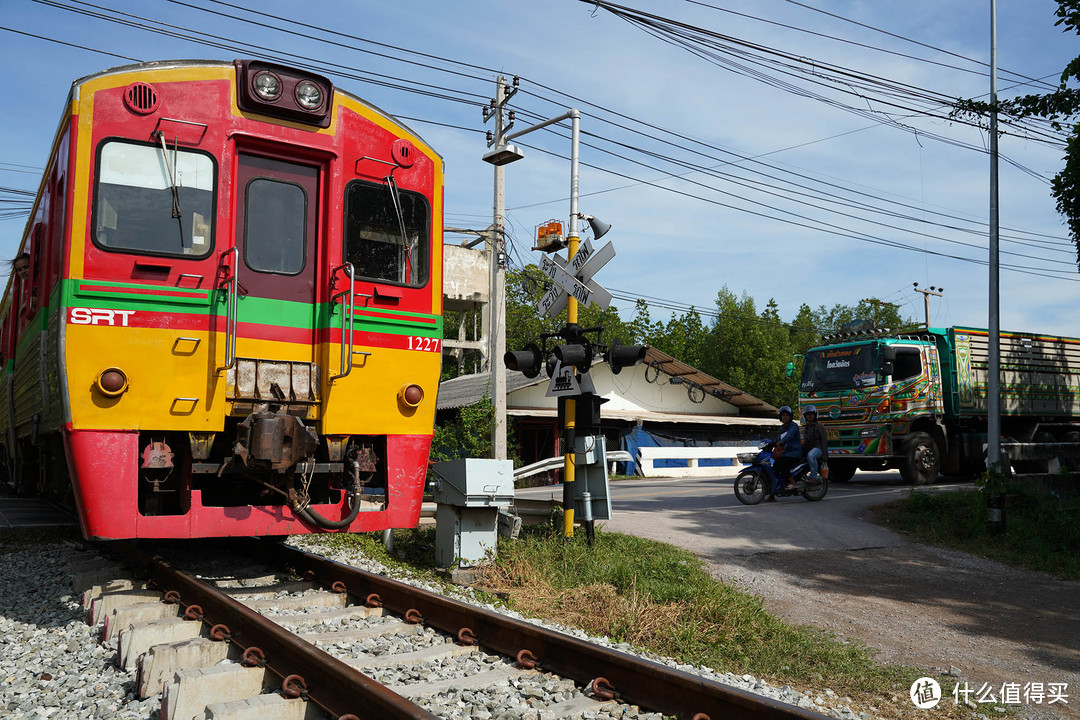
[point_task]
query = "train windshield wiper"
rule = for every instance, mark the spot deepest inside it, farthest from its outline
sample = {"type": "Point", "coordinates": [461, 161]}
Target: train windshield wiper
{"type": "Point", "coordinates": [170, 170]}
{"type": "Point", "coordinates": [395, 198]}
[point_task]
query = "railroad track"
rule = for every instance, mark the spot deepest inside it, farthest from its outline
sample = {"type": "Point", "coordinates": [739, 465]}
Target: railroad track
{"type": "Point", "coordinates": [300, 636]}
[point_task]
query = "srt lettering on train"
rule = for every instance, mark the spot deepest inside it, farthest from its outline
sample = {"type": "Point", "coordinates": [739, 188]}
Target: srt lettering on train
{"type": "Point", "coordinates": [99, 316]}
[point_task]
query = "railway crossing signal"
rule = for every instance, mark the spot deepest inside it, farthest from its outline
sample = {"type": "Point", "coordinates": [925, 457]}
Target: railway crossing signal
{"type": "Point", "coordinates": [573, 278]}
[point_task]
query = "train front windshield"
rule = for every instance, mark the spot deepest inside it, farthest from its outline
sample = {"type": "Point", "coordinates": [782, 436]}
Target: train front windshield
{"type": "Point", "coordinates": [842, 368]}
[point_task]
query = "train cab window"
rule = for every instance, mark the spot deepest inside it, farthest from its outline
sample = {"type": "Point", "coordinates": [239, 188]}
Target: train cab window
{"type": "Point", "coordinates": [387, 236]}
{"type": "Point", "coordinates": [275, 224]}
{"type": "Point", "coordinates": [150, 199]}
{"type": "Point", "coordinates": [908, 364]}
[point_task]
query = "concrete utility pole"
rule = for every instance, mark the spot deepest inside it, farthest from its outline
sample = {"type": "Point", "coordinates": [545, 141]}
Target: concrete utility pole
{"type": "Point", "coordinates": [497, 248]}
{"type": "Point", "coordinates": [936, 292]}
{"type": "Point", "coordinates": [877, 305]}
{"type": "Point", "coordinates": [993, 399]}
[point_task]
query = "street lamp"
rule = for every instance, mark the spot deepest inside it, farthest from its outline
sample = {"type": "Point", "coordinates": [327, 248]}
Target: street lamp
{"type": "Point", "coordinates": [503, 154]}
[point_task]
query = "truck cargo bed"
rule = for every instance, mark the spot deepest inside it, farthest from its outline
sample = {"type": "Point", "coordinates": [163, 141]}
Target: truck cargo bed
{"type": "Point", "coordinates": [1040, 374]}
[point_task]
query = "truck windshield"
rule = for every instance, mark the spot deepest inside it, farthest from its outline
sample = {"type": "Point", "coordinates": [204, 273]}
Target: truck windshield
{"type": "Point", "coordinates": [841, 368]}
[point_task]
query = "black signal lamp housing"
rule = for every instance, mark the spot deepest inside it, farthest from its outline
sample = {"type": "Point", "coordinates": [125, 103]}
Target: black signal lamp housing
{"type": "Point", "coordinates": [527, 361]}
{"type": "Point", "coordinates": [619, 356]}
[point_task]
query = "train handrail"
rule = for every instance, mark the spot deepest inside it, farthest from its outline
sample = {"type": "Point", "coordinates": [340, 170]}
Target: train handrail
{"type": "Point", "coordinates": [231, 302]}
{"type": "Point", "coordinates": [346, 363]}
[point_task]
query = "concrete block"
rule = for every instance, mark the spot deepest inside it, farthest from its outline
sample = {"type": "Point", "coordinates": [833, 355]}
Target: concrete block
{"type": "Point", "coordinates": [263, 591]}
{"type": "Point", "coordinates": [472, 682]}
{"type": "Point", "coordinates": [191, 691]}
{"type": "Point", "coordinates": [576, 707]}
{"type": "Point", "coordinates": [139, 614]}
{"type": "Point", "coordinates": [331, 614]}
{"type": "Point", "coordinates": [160, 663]}
{"type": "Point", "coordinates": [299, 602]}
{"type": "Point", "coordinates": [106, 602]}
{"type": "Point", "coordinates": [90, 576]}
{"type": "Point", "coordinates": [391, 627]}
{"type": "Point", "coordinates": [107, 583]}
{"type": "Point", "coordinates": [251, 581]}
{"type": "Point", "coordinates": [263, 707]}
{"type": "Point", "coordinates": [137, 639]}
{"type": "Point", "coordinates": [428, 654]}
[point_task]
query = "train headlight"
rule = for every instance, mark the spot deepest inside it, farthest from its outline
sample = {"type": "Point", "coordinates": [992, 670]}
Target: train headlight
{"type": "Point", "coordinates": [411, 395]}
{"type": "Point", "coordinates": [309, 95]}
{"type": "Point", "coordinates": [112, 382]}
{"type": "Point", "coordinates": [267, 85]}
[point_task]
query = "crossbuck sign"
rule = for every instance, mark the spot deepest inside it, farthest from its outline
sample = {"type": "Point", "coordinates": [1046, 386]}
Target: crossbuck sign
{"type": "Point", "coordinates": [575, 278]}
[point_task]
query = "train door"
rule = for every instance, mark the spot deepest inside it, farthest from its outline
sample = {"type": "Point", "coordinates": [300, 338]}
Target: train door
{"type": "Point", "coordinates": [277, 217]}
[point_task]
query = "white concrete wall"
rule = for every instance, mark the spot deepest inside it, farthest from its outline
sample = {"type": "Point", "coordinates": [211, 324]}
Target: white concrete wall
{"type": "Point", "coordinates": [648, 455]}
{"type": "Point", "coordinates": [465, 275]}
{"type": "Point", "coordinates": [629, 391]}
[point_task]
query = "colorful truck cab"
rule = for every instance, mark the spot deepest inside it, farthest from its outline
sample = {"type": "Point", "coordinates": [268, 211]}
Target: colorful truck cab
{"type": "Point", "coordinates": [918, 401]}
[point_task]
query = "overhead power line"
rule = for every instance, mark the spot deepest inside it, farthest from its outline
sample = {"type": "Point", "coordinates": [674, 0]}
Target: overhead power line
{"type": "Point", "coordinates": [799, 188]}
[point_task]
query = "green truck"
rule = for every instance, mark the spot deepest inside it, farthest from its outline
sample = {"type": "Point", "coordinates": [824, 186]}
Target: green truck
{"type": "Point", "coordinates": [918, 401]}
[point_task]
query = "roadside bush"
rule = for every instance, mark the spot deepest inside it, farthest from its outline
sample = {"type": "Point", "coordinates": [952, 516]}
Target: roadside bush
{"type": "Point", "coordinates": [1041, 531]}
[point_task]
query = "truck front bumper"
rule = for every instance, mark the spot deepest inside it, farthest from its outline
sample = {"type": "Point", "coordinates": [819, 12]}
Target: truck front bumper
{"type": "Point", "coordinates": [861, 440]}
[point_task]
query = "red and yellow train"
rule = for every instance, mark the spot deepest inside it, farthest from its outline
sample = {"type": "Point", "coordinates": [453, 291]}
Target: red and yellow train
{"type": "Point", "coordinates": [231, 319]}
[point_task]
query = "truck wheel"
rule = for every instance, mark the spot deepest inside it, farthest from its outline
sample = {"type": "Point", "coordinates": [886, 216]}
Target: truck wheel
{"type": "Point", "coordinates": [922, 461]}
{"type": "Point", "coordinates": [841, 470]}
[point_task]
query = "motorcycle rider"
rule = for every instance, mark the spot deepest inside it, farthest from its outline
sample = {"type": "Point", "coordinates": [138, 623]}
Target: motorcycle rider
{"type": "Point", "coordinates": [815, 442]}
{"type": "Point", "coordinates": [791, 448]}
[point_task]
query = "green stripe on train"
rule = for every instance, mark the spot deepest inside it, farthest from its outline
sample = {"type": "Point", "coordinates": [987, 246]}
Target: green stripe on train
{"type": "Point", "coordinates": [261, 311]}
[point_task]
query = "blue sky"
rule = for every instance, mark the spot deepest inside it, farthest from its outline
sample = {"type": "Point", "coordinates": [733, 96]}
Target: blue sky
{"type": "Point", "coordinates": [720, 180]}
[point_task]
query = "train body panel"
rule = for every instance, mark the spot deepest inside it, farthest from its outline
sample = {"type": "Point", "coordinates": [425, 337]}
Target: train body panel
{"type": "Point", "coordinates": [233, 318]}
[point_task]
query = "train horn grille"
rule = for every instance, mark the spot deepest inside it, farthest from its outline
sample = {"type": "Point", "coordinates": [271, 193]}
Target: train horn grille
{"type": "Point", "coordinates": [141, 98]}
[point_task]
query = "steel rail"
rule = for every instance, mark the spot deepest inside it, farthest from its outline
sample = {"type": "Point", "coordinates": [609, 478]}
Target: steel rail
{"type": "Point", "coordinates": [330, 683]}
{"type": "Point", "coordinates": [635, 680]}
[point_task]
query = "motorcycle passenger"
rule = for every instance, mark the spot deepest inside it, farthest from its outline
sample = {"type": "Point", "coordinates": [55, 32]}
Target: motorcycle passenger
{"type": "Point", "coordinates": [791, 448]}
{"type": "Point", "coordinates": [815, 442]}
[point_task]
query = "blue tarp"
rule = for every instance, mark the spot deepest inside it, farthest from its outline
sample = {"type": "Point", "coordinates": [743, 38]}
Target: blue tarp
{"type": "Point", "coordinates": [640, 437]}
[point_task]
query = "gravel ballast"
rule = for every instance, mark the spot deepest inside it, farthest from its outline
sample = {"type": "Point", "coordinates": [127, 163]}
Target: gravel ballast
{"type": "Point", "coordinates": [53, 665]}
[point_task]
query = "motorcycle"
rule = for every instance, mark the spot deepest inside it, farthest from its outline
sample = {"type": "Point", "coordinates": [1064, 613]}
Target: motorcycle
{"type": "Point", "coordinates": [757, 480]}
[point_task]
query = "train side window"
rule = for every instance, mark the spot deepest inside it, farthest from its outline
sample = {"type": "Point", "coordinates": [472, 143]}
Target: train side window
{"type": "Point", "coordinates": [275, 222]}
{"type": "Point", "coordinates": [374, 217]}
{"type": "Point", "coordinates": [56, 233]}
{"type": "Point", "coordinates": [154, 200]}
{"type": "Point", "coordinates": [6, 334]}
{"type": "Point", "coordinates": [908, 364]}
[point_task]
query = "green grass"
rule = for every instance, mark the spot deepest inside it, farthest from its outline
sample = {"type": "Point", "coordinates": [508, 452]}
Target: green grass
{"type": "Point", "coordinates": [662, 599]}
{"type": "Point", "coordinates": [1042, 532]}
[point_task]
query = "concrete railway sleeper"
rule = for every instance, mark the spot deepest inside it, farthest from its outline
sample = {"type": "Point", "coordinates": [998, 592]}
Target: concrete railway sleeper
{"type": "Point", "coordinates": [261, 644]}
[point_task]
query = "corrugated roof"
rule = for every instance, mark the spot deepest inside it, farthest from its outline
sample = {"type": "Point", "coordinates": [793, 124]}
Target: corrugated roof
{"type": "Point", "coordinates": [668, 365]}
{"type": "Point", "coordinates": [468, 389]}
{"type": "Point", "coordinates": [653, 416]}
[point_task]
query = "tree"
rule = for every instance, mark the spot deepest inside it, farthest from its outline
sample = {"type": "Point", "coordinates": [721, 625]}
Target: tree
{"type": "Point", "coordinates": [1060, 106]}
{"type": "Point", "coordinates": [525, 287]}
{"type": "Point", "coordinates": [747, 350]}
{"type": "Point", "coordinates": [524, 324]}
{"type": "Point", "coordinates": [880, 314]}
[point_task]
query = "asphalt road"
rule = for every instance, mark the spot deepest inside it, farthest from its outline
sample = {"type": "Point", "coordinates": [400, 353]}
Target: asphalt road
{"type": "Point", "coordinates": [703, 515]}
